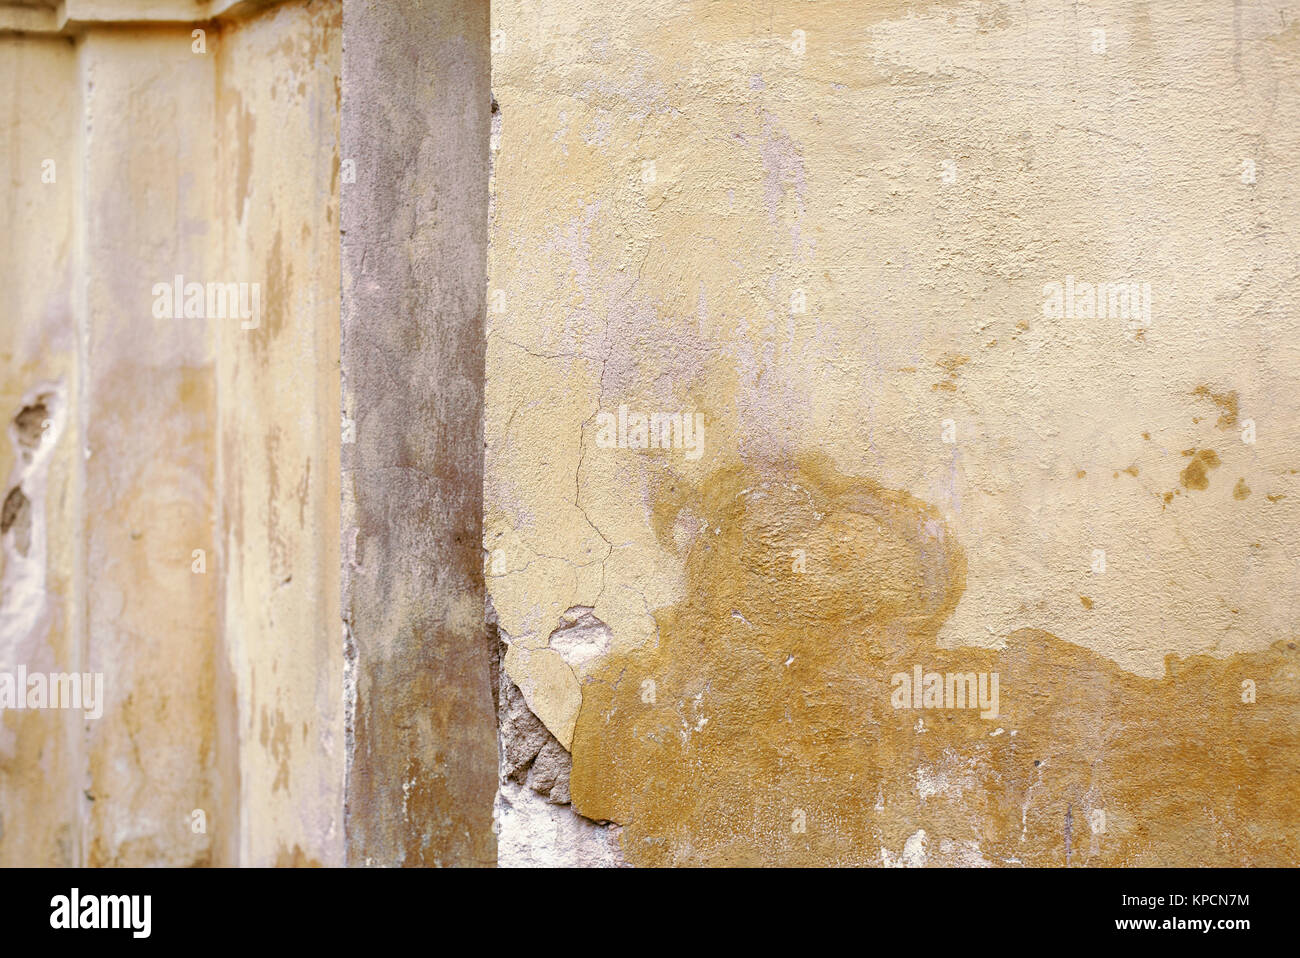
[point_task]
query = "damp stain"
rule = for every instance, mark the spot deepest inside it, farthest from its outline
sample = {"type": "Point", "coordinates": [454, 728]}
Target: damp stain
{"type": "Point", "coordinates": [1196, 474]}
{"type": "Point", "coordinates": [1226, 401]}
{"type": "Point", "coordinates": [951, 366]}
{"type": "Point", "coordinates": [760, 727]}
{"type": "Point", "coordinates": [295, 858]}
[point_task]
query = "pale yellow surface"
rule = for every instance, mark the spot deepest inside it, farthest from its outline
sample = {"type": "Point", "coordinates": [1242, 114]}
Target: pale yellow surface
{"type": "Point", "coordinates": [823, 172]}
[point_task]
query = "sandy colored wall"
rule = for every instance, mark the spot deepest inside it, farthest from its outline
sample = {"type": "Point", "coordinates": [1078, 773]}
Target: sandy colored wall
{"type": "Point", "coordinates": [278, 87]}
{"type": "Point", "coordinates": [40, 576]}
{"type": "Point", "coordinates": [847, 256]}
{"type": "Point", "coordinates": [830, 230]}
{"type": "Point", "coordinates": [150, 455]}
{"type": "Point", "coordinates": [177, 527]}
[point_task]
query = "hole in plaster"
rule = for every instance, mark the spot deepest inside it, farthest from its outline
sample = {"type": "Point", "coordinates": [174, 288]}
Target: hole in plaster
{"type": "Point", "coordinates": [16, 514]}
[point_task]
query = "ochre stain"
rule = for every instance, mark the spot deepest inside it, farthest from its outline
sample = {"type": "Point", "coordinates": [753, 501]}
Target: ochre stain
{"type": "Point", "coordinates": [1087, 602]}
{"type": "Point", "coordinates": [1226, 401]}
{"type": "Point", "coordinates": [274, 738]}
{"type": "Point", "coordinates": [277, 292]}
{"type": "Point", "coordinates": [759, 728]}
{"type": "Point", "coordinates": [245, 125]}
{"type": "Point", "coordinates": [1195, 475]}
{"type": "Point", "coordinates": [295, 859]}
{"type": "Point", "coordinates": [951, 365]}
{"type": "Point", "coordinates": [1241, 490]}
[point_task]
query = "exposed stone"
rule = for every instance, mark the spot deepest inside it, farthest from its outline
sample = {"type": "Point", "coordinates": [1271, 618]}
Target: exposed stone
{"type": "Point", "coordinates": [536, 825]}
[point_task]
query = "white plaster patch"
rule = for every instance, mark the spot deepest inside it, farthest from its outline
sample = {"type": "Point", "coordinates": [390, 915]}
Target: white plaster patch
{"type": "Point", "coordinates": [24, 608]}
{"type": "Point", "coordinates": [912, 856]}
{"type": "Point", "coordinates": [582, 638]}
{"type": "Point", "coordinates": [533, 833]}
{"type": "Point", "coordinates": [949, 780]}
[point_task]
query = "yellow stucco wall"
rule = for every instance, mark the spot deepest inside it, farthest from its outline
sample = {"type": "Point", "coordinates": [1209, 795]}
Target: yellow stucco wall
{"type": "Point", "coordinates": [278, 119]}
{"type": "Point", "coordinates": [831, 229]}
{"type": "Point", "coordinates": [845, 255]}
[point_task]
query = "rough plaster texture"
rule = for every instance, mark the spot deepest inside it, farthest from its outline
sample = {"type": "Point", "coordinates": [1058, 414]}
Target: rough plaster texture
{"type": "Point", "coordinates": [829, 228]}
{"type": "Point", "coordinates": [135, 440]}
{"type": "Point", "coordinates": [149, 489]}
{"type": "Point", "coordinates": [535, 825]}
{"type": "Point", "coordinates": [416, 113]}
{"type": "Point", "coordinates": [278, 91]}
{"type": "Point", "coordinates": [825, 233]}
{"type": "Point", "coordinates": [39, 818]}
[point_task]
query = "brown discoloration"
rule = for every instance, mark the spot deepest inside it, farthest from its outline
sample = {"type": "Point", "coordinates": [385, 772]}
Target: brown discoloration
{"type": "Point", "coordinates": [16, 514]}
{"type": "Point", "coordinates": [277, 292]}
{"type": "Point", "coordinates": [165, 742]}
{"type": "Point", "coordinates": [1227, 401]}
{"type": "Point", "coordinates": [274, 737]}
{"type": "Point", "coordinates": [772, 695]}
{"type": "Point", "coordinates": [29, 424]}
{"type": "Point", "coordinates": [1087, 602]}
{"type": "Point", "coordinates": [1241, 490]}
{"type": "Point", "coordinates": [1195, 476]}
{"type": "Point", "coordinates": [423, 746]}
{"type": "Point", "coordinates": [951, 365]}
{"type": "Point", "coordinates": [295, 859]}
{"type": "Point", "coordinates": [279, 393]}
{"type": "Point", "coordinates": [245, 123]}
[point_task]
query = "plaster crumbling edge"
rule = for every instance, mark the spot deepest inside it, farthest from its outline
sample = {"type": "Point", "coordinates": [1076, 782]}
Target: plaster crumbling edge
{"type": "Point", "coordinates": [534, 820]}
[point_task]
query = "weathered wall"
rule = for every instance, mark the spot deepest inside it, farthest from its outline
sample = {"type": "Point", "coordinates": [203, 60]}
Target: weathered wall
{"type": "Point", "coordinates": [277, 112]}
{"type": "Point", "coordinates": [40, 572]}
{"type": "Point", "coordinates": [416, 105]}
{"type": "Point", "coordinates": [149, 413]}
{"type": "Point", "coordinates": [828, 229]}
{"type": "Point", "coordinates": [172, 504]}
{"type": "Point", "coordinates": [835, 241]}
